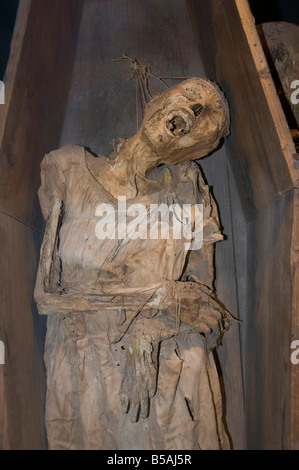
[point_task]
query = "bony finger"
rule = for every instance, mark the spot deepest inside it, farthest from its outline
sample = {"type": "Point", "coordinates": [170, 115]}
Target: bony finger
{"type": "Point", "coordinates": [212, 318]}
{"type": "Point", "coordinates": [211, 312]}
{"type": "Point", "coordinates": [124, 395]}
{"type": "Point", "coordinates": [144, 404]}
{"type": "Point", "coordinates": [152, 382]}
{"type": "Point", "coordinates": [124, 400]}
{"type": "Point", "coordinates": [225, 323]}
{"type": "Point", "coordinates": [134, 407]}
{"type": "Point", "coordinates": [210, 322]}
{"type": "Point", "coordinates": [203, 328]}
{"type": "Point", "coordinates": [216, 313]}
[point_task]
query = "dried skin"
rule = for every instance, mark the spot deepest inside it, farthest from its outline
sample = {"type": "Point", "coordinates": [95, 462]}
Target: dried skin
{"type": "Point", "coordinates": [126, 331]}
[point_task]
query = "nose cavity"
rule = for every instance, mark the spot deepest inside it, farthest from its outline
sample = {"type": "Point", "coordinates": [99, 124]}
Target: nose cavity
{"type": "Point", "coordinates": [196, 108]}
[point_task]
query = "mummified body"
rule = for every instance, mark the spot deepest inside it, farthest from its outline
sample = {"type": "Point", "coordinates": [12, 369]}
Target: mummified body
{"type": "Point", "coordinates": [132, 321]}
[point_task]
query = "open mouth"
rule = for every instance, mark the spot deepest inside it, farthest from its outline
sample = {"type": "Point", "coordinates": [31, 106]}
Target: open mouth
{"type": "Point", "coordinates": [180, 121]}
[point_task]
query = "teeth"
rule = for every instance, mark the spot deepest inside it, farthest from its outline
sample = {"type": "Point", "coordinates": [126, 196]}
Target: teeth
{"type": "Point", "coordinates": [179, 123]}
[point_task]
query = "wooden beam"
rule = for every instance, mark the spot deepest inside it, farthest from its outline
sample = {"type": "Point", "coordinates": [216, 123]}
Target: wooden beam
{"type": "Point", "coordinates": [294, 411]}
{"type": "Point", "coordinates": [260, 147]}
{"type": "Point", "coordinates": [38, 79]}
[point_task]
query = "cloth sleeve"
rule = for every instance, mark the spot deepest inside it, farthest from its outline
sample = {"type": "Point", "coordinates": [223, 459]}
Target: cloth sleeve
{"type": "Point", "coordinates": [200, 266]}
{"type": "Point", "coordinates": [52, 181]}
{"type": "Point", "coordinates": [211, 224]}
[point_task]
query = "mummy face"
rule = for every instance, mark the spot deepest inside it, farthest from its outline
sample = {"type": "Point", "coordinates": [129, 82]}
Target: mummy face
{"type": "Point", "coordinates": [187, 121]}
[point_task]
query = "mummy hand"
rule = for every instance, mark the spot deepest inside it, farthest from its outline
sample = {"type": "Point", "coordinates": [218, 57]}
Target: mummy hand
{"type": "Point", "coordinates": [140, 374]}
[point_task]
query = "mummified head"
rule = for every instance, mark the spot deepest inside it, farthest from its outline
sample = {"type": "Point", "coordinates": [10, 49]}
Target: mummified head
{"type": "Point", "coordinates": [187, 121]}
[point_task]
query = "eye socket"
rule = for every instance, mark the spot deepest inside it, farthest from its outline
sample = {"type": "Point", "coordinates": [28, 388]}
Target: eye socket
{"type": "Point", "coordinates": [197, 108]}
{"type": "Point", "coordinates": [190, 91]}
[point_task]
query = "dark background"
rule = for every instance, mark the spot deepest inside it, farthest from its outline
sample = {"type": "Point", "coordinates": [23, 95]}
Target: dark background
{"type": "Point", "coordinates": [275, 10]}
{"type": "Point", "coordinates": [8, 10]}
{"type": "Point", "coordinates": [263, 10]}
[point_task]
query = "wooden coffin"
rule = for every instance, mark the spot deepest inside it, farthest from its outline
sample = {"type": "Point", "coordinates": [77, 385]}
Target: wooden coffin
{"type": "Point", "coordinates": [63, 86]}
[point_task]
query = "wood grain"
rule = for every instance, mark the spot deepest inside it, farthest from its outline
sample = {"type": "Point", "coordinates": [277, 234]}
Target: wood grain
{"type": "Point", "coordinates": [261, 155]}
{"type": "Point", "coordinates": [294, 411]}
{"type": "Point", "coordinates": [38, 76]}
{"type": "Point", "coordinates": [22, 379]}
{"type": "Point", "coordinates": [260, 148]}
{"type": "Point", "coordinates": [101, 107]}
{"type": "Point", "coordinates": [102, 103]}
{"type": "Point", "coordinates": [37, 82]}
{"type": "Point", "coordinates": [257, 266]}
{"type": "Point", "coordinates": [230, 258]}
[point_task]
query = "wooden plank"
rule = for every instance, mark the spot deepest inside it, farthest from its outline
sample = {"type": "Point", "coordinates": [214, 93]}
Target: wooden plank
{"type": "Point", "coordinates": [260, 147]}
{"type": "Point", "coordinates": [261, 155]}
{"type": "Point", "coordinates": [101, 107]}
{"type": "Point", "coordinates": [38, 78]}
{"type": "Point", "coordinates": [294, 411]}
{"type": "Point", "coordinates": [15, 53]}
{"type": "Point", "coordinates": [3, 411]}
{"type": "Point", "coordinates": [268, 397]}
{"type": "Point", "coordinates": [37, 83]}
{"type": "Point", "coordinates": [158, 36]}
{"type": "Point", "coordinates": [230, 290]}
{"type": "Point", "coordinates": [22, 381]}
{"type": "Point", "coordinates": [239, 255]}
{"type": "Point", "coordinates": [266, 79]}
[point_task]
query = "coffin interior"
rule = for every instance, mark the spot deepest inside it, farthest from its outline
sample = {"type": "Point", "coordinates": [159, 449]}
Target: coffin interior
{"type": "Point", "coordinates": [63, 86]}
